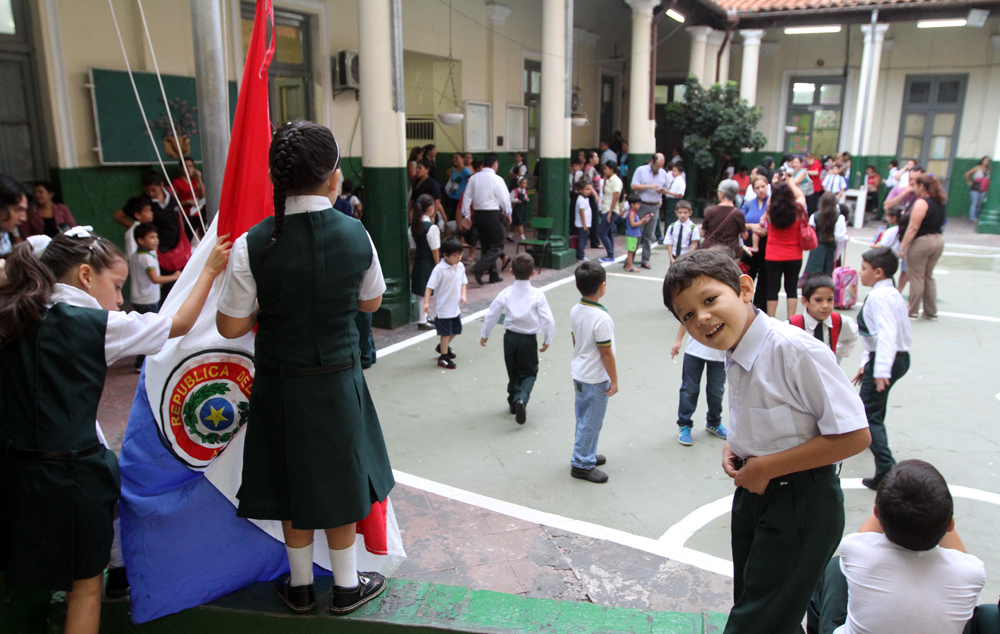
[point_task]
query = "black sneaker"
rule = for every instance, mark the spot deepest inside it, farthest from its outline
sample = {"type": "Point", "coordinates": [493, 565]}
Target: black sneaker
{"type": "Point", "coordinates": [347, 600]}
{"type": "Point", "coordinates": [116, 585]}
{"type": "Point", "coordinates": [872, 483]}
{"type": "Point", "coordinates": [519, 414]}
{"type": "Point", "coordinates": [446, 363]}
{"type": "Point", "coordinates": [299, 599]}
{"type": "Point", "coordinates": [600, 460]}
{"type": "Point", "coordinates": [591, 475]}
{"type": "Point", "coordinates": [495, 279]}
{"type": "Point", "coordinates": [451, 353]}
{"type": "Point", "coordinates": [425, 325]}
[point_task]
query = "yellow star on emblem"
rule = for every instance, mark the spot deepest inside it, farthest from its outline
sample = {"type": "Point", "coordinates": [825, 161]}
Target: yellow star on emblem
{"type": "Point", "coordinates": [215, 417]}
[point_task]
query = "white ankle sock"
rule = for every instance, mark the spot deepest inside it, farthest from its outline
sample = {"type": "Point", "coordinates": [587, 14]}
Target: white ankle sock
{"type": "Point", "coordinates": [344, 565]}
{"type": "Point", "coordinates": [300, 561]}
{"type": "Point", "coordinates": [116, 547]}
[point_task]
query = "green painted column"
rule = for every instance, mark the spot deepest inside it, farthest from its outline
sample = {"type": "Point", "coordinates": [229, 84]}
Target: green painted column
{"type": "Point", "coordinates": [554, 192]}
{"type": "Point", "coordinates": [385, 219]}
{"type": "Point", "coordinates": [383, 158]}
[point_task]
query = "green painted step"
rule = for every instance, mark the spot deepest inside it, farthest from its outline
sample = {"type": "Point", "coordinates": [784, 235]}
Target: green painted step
{"type": "Point", "coordinates": [407, 606]}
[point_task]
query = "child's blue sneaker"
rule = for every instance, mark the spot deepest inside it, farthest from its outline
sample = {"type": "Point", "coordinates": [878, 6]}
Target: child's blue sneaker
{"type": "Point", "coordinates": [607, 259]}
{"type": "Point", "coordinates": [718, 430]}
{"type": "Point", "coordinates": [684, 436]}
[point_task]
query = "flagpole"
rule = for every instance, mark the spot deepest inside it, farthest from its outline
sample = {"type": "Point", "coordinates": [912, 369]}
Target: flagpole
{"type": "Point", "coordinates": [212, 85]}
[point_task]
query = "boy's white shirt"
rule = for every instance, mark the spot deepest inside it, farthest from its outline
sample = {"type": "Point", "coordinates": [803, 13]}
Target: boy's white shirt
{"type": "Point", "coordinates": [590, 325]}
{"type": "Point", "coordinates": [689, 228]}
{"type": "Point", "coordinates": [848, 333]}
{"type": "Point", "coordinates": [885, 315]}
{"type": "Point", "coordinates": [785, 388]}
{"type": "Point", "coordinates": [678, 185]}
{"type": "Point", "coordinates": [143, 289]}
{"type": "Point", "coordinates": [700, 350]}
{"type": "Point", "coordinates": [131, 246]}
{"type": "Point", "coordinates": [583, 204]}
{"type": "Point", "coordinates": [893, 589]}
{"type": "Point", "coordinates": [446, 281]}
{"type": "Point", "coordinates": [527, 312]}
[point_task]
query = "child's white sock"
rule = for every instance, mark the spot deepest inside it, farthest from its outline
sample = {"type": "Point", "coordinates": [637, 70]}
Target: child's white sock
{"type": "Point", "coordinates": [420, 309]}
{"type": "Point", "coordinates": [344, 565]}
{"type": "Point", "coordinates": [116, 546]}
{"type": "Point", "coordinates": [300, 562]}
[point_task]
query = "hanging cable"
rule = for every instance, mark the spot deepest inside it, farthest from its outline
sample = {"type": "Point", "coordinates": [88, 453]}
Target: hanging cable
{"type": "Point", "coordinates": [142, 110]}
{"type": "Point", "coordinates": [225, 52]}
{"type": "Point", "coordinates": [170, 118]}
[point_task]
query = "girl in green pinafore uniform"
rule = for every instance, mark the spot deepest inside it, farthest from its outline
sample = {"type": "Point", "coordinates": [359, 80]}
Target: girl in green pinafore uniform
{"type": "Point", "coordinates": [60, 328]}
{"type": "Point", "coordinates": [427, 238]}
{"type": "Point", "coordinates": [314, 457]}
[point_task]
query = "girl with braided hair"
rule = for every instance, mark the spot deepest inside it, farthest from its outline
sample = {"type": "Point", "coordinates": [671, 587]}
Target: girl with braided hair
{"type": "Point", "coordinates": [314, 457]}
{"type": "Point", "coordinates": [60, 329]}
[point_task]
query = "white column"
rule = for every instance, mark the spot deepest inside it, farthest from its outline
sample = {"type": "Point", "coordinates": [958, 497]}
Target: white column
{"type": "Point", "coordinates": [552, 125]}
{"type": "Point", "coordinates": [55, 66]}
{"type": "Point", "coordinates": [382, 128]}
{"type": "Point", "coordinates": [751, 63]}
{"type": "Point", "coordinates": [870, 59]}
{"type": "Point", "coordinates": [696, 61]}
{"type": "Point", "coordinates": [712, 45]}
{"type": "Point", "coordinates": [641, 129]}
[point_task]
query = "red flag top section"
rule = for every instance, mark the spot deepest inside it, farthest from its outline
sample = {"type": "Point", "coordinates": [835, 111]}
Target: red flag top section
{"type": "Point", "coordinates": [247, 196]}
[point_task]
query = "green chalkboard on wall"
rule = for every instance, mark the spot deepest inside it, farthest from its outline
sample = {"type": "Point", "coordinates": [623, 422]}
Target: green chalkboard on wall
{"type": "Point", "coordinates": [121, 134]}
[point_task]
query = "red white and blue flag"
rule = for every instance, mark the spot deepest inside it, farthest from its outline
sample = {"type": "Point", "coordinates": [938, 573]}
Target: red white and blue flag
{"type": "Point", "coordinates": [182, 456]}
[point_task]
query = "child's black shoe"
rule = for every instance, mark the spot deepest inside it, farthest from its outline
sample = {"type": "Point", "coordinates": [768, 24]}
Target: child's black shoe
{"type": "Point", "coordinates": [347, 600]}
{"type": "Point", "coordinates": [446, 363]}
{"type": "Point", "coordinates": [450, 355]}
{"type": "Point", "coordinates": [299, 599]}
{"type": "Point", "coordinates": [116, 586]}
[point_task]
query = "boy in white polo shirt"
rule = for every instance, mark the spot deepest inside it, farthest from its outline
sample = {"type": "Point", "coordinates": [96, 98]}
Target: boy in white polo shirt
{"type": "Point", "coordinates": [700, 358]}
{"type": "Point", "coordinates": [595, 378]}
{"type": "Point", "coordinates": [448, 281]}
{"type": "Point", "coordinates": [792, 417]}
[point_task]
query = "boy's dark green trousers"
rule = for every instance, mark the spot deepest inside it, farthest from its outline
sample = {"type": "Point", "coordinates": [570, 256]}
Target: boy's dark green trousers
{"type": "Point", "coordinates": [876, 404]}
{"type": "Point", "coordinates": [520, 354]}
{"type": "Point", "coordinates": [782, 541]}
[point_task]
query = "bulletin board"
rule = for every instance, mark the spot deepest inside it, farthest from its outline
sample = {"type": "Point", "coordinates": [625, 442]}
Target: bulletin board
{"type": "Point", "coordinates": [478, 126]}
{"type": "Point", "coordinates": [517, 128]}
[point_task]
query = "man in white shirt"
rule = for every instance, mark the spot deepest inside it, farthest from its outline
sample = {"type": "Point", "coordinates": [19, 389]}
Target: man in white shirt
{"type": "Point", "coordinates": [527, 314]}
{"type": "Point", "coordinates": [906, 569]}
{"type": "Point", "coordinates": [650, 182]}
{"type": "Point", "coordinates": [886, 335]}
{"type": "Point", "coordinates": [487, 194]}
{"type": "Point", "coordinates": [676, 188]}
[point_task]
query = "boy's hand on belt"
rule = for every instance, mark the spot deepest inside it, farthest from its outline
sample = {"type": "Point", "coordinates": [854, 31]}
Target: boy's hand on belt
{"type": "Point", "coordinates": [729, 461]}
{"type": "Point", "coordinates": [753, 476]}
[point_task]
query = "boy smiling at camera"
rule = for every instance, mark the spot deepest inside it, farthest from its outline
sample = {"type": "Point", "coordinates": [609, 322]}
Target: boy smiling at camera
{"type": "Point", "coordinates": [792, 417]}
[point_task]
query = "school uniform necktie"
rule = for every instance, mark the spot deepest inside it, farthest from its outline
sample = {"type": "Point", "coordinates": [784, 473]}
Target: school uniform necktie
{"type": "Point", "coordinates": [818, 332]}
{"type": "Point", "coordinates": [680, 237]}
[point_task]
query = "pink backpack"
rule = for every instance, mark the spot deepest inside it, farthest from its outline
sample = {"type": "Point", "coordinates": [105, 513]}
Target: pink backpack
{"type": "Point", "coordinates": [845, 287]}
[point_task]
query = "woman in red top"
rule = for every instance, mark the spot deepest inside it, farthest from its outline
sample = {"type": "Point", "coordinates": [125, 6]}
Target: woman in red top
{"type": "Point", "coordinates": [783, 257]}
{"type": "Point", "coordinates": [813, 169]}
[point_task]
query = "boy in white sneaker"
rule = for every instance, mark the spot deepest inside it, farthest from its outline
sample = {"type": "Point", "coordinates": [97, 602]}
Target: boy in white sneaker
{"type": "Point", "coordinates": [682, 234]}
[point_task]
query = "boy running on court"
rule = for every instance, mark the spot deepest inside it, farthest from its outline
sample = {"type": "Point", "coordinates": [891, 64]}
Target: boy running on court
{"type": "Point", "coordinates": [527, 313]}
{"type": "Point", "coordinates": [792, 417]}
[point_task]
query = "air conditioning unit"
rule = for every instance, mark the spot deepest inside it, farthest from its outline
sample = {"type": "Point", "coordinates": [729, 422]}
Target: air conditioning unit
{"type": "Point", "coordinates": [345, 70]}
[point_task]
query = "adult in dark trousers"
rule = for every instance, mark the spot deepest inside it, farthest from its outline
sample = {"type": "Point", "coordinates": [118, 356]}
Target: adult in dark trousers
{"type": "Point", "coordinates": [754, 208]}
{"type": "Point", "coordinates": [650, 182]}
{"type": "Point", "coordinates": [487, 193]}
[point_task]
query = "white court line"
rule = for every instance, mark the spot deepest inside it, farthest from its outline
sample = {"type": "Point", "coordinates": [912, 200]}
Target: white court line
{"type": "Point", "coordinates": [949, 253]}
{"type": "Point", "coordinates": [995, 320]}
{"type": "Point", "coordinates": [660, 548]}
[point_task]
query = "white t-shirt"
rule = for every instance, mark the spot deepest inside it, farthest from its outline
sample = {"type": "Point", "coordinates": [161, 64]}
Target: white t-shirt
{"type": "Point", "coordinates": [131, 246]}
{"type": "Point", "coordinates": [702, 351]}
{"type": "Point", "coordinates": [144, 290]}
{"type": "Point", "coordinates": [582, 204]}
{"type": "Point", "coordinates": [446, 281]}
{"type": "Point", "coordinates": [892, 589]}
{"type": "Point", "coordinates": [592, 329]}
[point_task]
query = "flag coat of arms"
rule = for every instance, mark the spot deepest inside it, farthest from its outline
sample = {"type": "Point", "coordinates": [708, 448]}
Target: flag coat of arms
{"type": "Point", "coordinates": [182, 456]}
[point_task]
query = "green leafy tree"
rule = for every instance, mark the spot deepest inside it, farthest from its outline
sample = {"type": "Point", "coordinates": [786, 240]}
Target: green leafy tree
{"type": "Point", "coordinates": [716, 122]}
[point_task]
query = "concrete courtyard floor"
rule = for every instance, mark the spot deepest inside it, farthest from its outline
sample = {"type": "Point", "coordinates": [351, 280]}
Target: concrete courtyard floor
{"type": "Point", "coordinates": [490, 504]}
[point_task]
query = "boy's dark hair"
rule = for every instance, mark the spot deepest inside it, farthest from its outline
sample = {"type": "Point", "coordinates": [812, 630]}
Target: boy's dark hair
{"type": "Point", "coordinates": [896, 211]}
{"type": "Point", "coordinates": [581, 184]}
{"type": "Point", "coordinates": [634, 198]}
{"type": "Point", "coordinates": [882, 258]}
{"type": "Point", "coordinates": [893, 163]}
{"type": "Point", "coordinates": [589, 277]}
{"type": "Point", "coordinates": [134, 205]}
{"type": "Point", "coordinates": [347, 187]}
{"type": "Point", "coordinates": [687, 268]}
{"type": "Point", "coordinates": [574, 161]}
{"type": "Point", "coordinates": [151, 178]}
{"type": "Point", "coordinates": [490, 160]}
{"type": "Point", "coordinates": [143, 229]}
{"type": "Point", "coordinates": [815, 282]}
{"type": "Point", "coordinates": [914, 505]}
{"type": "Point", "coordinates": [450, 246]}
{"type": "Point", "coordinates": [679, 166]}
{"type": "Point", "coordinates": [683, 204]}
{"type": "Point", "coordinates": [523, 266]}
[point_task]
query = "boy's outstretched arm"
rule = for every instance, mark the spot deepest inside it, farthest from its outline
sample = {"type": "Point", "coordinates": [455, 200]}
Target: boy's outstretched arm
{"type": "Point", "coordinates": [492, 316]}
{"type": "Point", "coordinates": [818, 452]}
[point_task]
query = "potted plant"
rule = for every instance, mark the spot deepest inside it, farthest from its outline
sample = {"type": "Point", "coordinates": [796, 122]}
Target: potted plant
{"type": "Point", "coordinates": [717, 123]}
{"type": "Point", "coordinates": [183, 115]}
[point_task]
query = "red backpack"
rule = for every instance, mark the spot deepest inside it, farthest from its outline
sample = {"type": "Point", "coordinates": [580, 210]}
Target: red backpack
{"type": "Point", "coordinates": [800, 322]}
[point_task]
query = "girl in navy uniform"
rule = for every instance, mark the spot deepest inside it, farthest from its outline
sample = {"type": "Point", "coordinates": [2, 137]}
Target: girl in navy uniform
{"type": "Point", "coordinates": [427, 238]}
{"type": "Point", "coordinates": [314, 457]}
{"type": "Point", "coordinates": [60, 328]}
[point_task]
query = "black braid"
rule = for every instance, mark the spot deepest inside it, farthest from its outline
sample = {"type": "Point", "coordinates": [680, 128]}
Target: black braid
{"type": "Point", "coordinates": [302, 157]}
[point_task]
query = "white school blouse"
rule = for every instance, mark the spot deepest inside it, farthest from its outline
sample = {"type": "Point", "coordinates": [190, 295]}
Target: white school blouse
{"type": "Point", "coordinates": [238, 297]}
{"type": "Point", "coordinates": [785, 388]}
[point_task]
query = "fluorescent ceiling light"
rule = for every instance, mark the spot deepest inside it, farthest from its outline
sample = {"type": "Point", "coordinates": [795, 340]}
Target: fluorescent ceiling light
{"type": "Point", "coordinates": [935, 24]}
{"type": "Point", "coordinates": [675, 15]}
{"type": "Point", "coordinates": [805, 30]}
